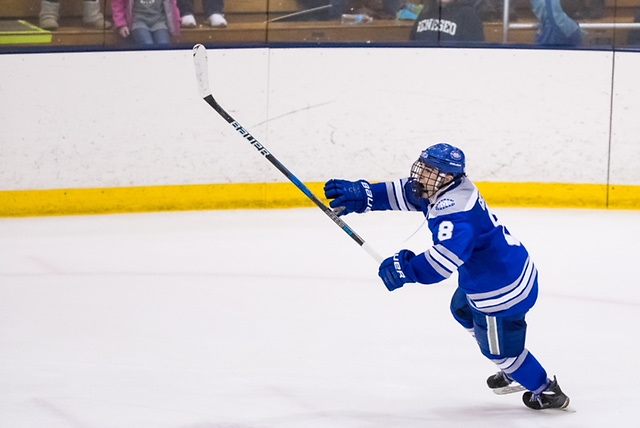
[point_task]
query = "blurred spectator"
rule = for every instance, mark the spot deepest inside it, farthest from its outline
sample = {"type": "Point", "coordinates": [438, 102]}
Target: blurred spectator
{"type": "Point", "coordinates": [213, 10]}
{"type": "Point", "coordinates": [556, 27]}
{"type": "Point", "coordinates": [149, 22]}
{"type": "Point", "coordinates": [448, 21]}
{"type": "Point", "coordinates": [91, 15]}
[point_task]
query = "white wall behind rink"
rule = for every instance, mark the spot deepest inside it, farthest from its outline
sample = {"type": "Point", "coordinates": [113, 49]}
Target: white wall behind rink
{"type": "Point", "coordinates": [120, 119]}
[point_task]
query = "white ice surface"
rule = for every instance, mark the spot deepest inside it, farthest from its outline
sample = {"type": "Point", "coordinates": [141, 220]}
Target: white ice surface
{"type": "Point", "coordinates": [278, 319]}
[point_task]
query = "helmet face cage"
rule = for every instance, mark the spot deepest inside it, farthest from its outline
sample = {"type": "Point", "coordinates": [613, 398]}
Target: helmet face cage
{"type": "Point", "coordinates": [430, 179]}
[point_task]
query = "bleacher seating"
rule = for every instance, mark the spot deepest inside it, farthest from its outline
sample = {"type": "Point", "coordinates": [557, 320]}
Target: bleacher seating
{"type": "Point", "coordinates": [248, 24]}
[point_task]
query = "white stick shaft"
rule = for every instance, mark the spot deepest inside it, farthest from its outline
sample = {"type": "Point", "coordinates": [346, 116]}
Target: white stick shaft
{"type": "Point", "coordinates": [202, 76]}
{"type": "Point", "coordinates": [202, 69]}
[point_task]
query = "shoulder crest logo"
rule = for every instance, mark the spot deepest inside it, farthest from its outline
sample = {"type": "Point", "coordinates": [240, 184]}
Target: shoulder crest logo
{"type": "Point", "coordinates": [445, 203]}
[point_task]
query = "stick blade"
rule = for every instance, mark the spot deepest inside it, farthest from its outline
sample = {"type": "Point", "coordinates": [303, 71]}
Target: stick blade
{"type": "Point", "coordinates": [202, 69]}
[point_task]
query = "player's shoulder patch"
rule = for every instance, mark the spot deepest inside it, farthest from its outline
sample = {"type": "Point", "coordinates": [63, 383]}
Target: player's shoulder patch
{"type": "Point", "coordinates": [444, 203]}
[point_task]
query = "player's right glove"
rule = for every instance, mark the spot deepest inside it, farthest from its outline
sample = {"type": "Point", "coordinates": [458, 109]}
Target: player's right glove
{"type": "Point", "coordinates": [396, 271]}
{"type": "Point", "coordinates": [354, 196]}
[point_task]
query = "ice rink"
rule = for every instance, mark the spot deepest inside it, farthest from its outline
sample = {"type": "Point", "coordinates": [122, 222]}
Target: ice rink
{"type": "Point", "coordinates": [235, 319]}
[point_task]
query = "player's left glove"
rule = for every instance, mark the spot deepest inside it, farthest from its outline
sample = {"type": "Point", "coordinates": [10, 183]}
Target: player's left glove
{"type": "Point", "coordinates": [396, 271]}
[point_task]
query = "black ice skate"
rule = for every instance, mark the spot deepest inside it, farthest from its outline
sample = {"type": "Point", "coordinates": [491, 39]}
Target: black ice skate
{"type": "Point", "coordinates": [550, 398]}
{"type": "Point", "coordinates": [501, 383]}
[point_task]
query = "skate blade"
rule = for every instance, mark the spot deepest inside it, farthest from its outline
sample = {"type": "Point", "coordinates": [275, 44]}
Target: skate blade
{"type": "Point", "coordinates": [510, 389]}
{"type": "Point", "coordinates": [568, 407]}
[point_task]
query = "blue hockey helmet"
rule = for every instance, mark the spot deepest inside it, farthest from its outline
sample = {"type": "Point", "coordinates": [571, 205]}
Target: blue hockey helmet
{"type": "Point", "coordinates": [436, 167]}
{"type": "Point", "coordinates": [445, 158]}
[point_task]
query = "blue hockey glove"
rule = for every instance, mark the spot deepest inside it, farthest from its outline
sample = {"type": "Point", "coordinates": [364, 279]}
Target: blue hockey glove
{"type": "Point", "coordinates": [395, 271]}
{"type": "Point", "coordinates": [354, 196]}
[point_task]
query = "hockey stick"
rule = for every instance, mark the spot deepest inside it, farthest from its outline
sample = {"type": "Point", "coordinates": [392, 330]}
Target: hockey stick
{"type": "Point", "coordinates": [202, 75]}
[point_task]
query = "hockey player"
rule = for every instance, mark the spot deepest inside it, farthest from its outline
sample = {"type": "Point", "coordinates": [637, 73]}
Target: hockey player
{"type": "Point", "coordinates": [497, 280]}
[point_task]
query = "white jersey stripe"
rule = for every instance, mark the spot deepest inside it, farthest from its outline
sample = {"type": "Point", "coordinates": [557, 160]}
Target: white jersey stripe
{"type": "Point", "coordinates": [391, 196]}
{"type": "Point", "coordinates": [503, 290]}
{"type": "Point", "coordinates": [448, 254]}
{"type": "Point", "coordinates": [399, 194]}
{"type": "Point", "coordinates": [402, 199]}
{"type": "Point", "coordinates": [437, 266]}
{"type": "Point", "coordinates": [445, 262]}
{"type": "Point", "coordinates": [481, 303]}
{"type": "Point", "coordinates": [492, 335]}
{"type": "Point", "coordinates": [472, 200]}
{"type": "Point", "coordinates": [509, 299]}
{"type": "Point", "coordinates": [396, 196]}
{"type": "Point", "coordinates": [510, 303]}
{"type": "Point", "coordinates": [510, 365]}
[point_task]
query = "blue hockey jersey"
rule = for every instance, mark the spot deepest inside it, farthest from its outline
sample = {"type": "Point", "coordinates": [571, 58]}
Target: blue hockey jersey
{"type": "Point", "coordinates": [494, 268]}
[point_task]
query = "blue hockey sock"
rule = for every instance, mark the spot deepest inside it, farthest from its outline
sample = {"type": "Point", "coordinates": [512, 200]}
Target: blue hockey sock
{"type": "Point", "coordinates": [530, 373]}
